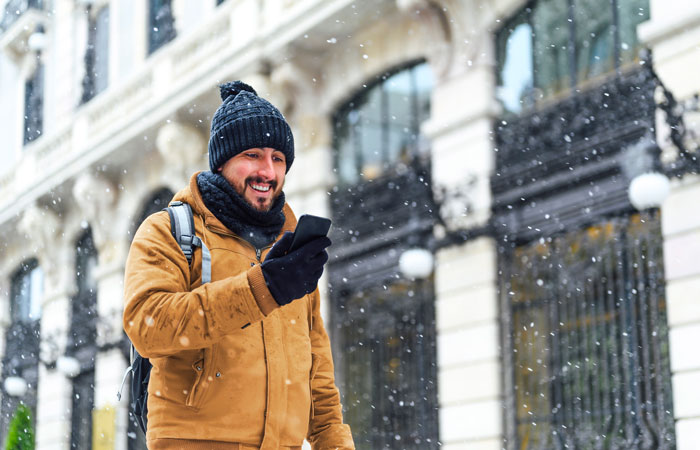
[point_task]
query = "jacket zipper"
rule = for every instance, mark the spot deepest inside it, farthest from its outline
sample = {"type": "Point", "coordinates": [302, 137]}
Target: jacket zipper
{"type": "Point", "coordinates": [258, 251]}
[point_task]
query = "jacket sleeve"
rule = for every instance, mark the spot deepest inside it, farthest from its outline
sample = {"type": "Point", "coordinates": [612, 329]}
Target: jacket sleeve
{"type": "Point", "coordinates": [161, 315]}
{"type": "Point", "coordinates": [326, 430]}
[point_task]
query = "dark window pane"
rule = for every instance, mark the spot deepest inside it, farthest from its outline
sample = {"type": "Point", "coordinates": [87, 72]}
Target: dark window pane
{"type": "Point", "coordinates": [371, 133]}
{"type": "Point", "coordinates": [630, 14]}
{"type": "Point", "coordinates": [34, 105]}
{"type": "Point", "coordinates": [381, 126]}
{"type": "Point", "coordinates": [551, 47]}
{"type": "Point", "coordinates": [345, 147]}
{"type": "Point", "coordinates": [102, 50]}
{"type": "Point", "coordinates": [161, 24]}
{"type": "Point", "coordinates": [515, 71]}
{"type": "Point", "coordinates": [27, 290]}
{"type": "Point", "coordinates": [595, 41]}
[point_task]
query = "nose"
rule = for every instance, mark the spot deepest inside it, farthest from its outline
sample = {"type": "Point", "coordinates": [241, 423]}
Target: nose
{"type": "Point", "coordinates": [266, 168]}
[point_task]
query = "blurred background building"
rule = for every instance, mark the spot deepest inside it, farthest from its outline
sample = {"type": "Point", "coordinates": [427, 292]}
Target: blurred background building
{"type": "Point", "coordinates": [491, 284]}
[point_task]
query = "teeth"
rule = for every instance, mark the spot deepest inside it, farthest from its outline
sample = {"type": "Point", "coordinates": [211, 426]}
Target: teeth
{"type": "Point", "coordinates": [260, 188]}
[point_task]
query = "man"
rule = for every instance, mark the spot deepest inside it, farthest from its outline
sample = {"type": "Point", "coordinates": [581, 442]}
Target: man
{"type": "Point", "coordinates": [242, 362]}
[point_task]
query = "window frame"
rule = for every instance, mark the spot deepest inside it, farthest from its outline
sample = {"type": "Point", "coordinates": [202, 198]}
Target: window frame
{"type": "Point", "coordinates": [575, 83]}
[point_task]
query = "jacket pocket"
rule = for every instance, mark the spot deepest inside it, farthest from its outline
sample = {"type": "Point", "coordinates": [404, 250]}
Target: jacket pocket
{"type": "Point", "coordinates": [195, 393]}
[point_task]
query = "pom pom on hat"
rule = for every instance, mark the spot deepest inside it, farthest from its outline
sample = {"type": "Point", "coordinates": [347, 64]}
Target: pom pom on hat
{"type": "Point", "coordinates": [233, 88]}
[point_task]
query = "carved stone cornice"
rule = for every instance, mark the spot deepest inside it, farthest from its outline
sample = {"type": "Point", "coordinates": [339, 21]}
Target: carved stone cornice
{"type": "Point", "coordinates": [293, 82]}
{"type": "Point", "coordinates": [95, 197]}
{"type": "Point", "coordinates": [181, 146]}
{"type": "Point", "coordinates": [42, 228]}
{"type": "Point", "coordinates": [457, 30]}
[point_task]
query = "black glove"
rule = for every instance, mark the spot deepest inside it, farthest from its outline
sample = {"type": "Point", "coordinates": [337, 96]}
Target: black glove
{"type": "Point", "coordinates": [292, 275]}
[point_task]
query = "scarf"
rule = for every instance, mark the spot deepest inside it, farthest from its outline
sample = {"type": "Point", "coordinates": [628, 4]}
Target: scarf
{"type": "Point", "coordinates": [260, 228]}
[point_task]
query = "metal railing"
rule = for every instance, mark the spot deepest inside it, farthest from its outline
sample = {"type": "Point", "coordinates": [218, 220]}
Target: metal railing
{"type": "Point", "coordinates": [587, 355]}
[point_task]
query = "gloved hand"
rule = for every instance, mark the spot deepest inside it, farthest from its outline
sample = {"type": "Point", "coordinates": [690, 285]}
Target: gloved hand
{"type": "Point", "coordinates": [292, 275]}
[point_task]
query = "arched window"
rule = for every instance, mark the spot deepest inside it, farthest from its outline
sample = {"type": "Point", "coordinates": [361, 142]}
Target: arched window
{"type": "Point", "coordinates": [382, 326]}
{"type": "Point", "coordinates": [156, 202]}
{"type": "Point", "coordinates": [21, 357]}
{"type": "Point", "coordinates": [82, 341]}
{"type": "Point", "coordinates": [380, 127]}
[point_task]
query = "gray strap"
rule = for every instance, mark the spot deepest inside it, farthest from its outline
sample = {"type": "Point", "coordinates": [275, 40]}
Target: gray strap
{"type": "Point", "coordinates": [206, 263]}
{"type": "Point", "coordinates": [183, 228]}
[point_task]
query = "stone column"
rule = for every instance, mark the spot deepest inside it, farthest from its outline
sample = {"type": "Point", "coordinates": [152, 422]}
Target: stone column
{"type": "Point", "coordinates": [43, 230]}
{"type": "Point", "coordinates": [675, 43]}
{"type": "Point", "coordinates": [467, 321]}
{"type": "Point", "coordinates": [96, 199]}
{"type": "Point", "coordinates": [4, 318]}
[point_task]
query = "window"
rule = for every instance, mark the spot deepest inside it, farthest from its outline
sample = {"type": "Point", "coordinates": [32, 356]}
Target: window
{"type": "Point", "coordinates": [156, 202]}
{"type": "Point", "coordinates": [34, 105]}
{"type": "Point", "coordinates": [96, 54]}
{"type": "Point", "coordinates": [27, 288]}
{"type": "Point", "coordinates": [552, 46]}
{"type": "Point", "coordinates": [383, 326]}
{"type": "Point", "coordinates": [21, 357]}
{"type": "Point", "coordinates": [82, 342]}
{"type": "Point", "coordinates": [161, 24]}
{"type": "Point", "coordinates": [587, 354]}
{"type": "Point", "coordinates": [380, 127]}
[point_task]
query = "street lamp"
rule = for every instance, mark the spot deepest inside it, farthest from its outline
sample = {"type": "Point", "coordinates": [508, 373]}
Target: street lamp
{"type": "Point", "coordinates": [68, 366]}
{"type": "Point", "coordinates": [15, 386]}
{"type": "Point", "coordinates": [649, 190]}
{"type": "Point", "coordinates": [416, 263]}
{"type": "Point", "coordinates": [37, 40]}
{"type": "Point", "coordinates": [649, 186]}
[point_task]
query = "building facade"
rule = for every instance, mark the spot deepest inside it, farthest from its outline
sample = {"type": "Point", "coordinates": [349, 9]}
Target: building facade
{"type": "Point", "coordinates": [500, 136]}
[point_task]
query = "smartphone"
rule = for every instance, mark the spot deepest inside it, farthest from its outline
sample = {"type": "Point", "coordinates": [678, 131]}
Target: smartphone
{"type": "Point", "coordinates": [309, 228]}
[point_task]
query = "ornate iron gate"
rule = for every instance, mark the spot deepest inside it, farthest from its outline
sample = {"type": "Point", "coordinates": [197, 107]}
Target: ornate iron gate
{"type": "Point", "coordinates": [383, 326]}
{"type": "Point", "coordinates": [588, 345]}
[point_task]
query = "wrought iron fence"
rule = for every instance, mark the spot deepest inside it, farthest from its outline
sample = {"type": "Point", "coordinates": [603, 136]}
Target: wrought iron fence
{"type": "Point", "coordinates": [586, 346]}
{"type": "Point", "coordinates": [388, 366]}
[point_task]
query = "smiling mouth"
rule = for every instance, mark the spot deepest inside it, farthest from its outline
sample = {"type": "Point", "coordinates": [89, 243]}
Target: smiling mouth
{"type": "Point", "coordinates": [259, 188]}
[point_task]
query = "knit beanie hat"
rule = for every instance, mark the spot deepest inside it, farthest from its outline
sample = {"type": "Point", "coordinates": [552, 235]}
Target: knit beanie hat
{"type": "Point", "coordinates": [245, 121]}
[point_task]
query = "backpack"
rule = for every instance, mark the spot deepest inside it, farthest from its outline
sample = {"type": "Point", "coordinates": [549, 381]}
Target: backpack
{"type": "Point", "coordinates": [182, 228]}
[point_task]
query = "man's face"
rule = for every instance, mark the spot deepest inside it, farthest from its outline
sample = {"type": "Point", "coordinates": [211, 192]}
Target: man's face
{"type": "Point", "coordinates": [257, 175]}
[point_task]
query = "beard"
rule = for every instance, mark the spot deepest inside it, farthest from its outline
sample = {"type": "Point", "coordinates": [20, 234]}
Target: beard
{"type": "Point", "coordinates": [257, 202]}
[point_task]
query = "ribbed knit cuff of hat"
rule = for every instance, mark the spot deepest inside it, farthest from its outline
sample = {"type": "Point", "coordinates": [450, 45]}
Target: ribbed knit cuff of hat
{"type": "Point", "coordinates": [245, 133]}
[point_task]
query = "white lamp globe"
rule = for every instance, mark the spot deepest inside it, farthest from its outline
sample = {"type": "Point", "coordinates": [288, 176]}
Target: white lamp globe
{"type": "Point", "coordinates": [15, 386]}
{"type": "Point", "coordinates": [37, 41]}
{"type": "Point", "coordinates": [416, 263]}
{"type": "Point", "coordinates": [649, 190]}
{"type": "Point", "coordinates": [68, 366]}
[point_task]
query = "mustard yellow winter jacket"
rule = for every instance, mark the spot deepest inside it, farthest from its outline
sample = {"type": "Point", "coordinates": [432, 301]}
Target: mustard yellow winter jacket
{"type": "Point", "coordinates": [229, 364]}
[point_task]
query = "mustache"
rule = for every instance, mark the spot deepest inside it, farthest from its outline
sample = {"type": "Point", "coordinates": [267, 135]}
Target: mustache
{"type": "Point", "coordinates": [259, 180]}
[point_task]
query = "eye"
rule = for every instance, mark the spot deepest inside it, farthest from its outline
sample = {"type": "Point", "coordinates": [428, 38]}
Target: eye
{"type": "Point", "coordinates": [278, 158]}
{"type": "Point", "coordinates": [251, 155]}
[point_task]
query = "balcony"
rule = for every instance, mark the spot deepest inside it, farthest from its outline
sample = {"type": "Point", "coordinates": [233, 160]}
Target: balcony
{"type": "Point", "coordinates": [119, 125]}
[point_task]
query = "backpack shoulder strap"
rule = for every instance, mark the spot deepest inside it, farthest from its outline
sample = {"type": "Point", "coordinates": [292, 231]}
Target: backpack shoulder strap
{"type": "Point", "coordinates": [182, 228]}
